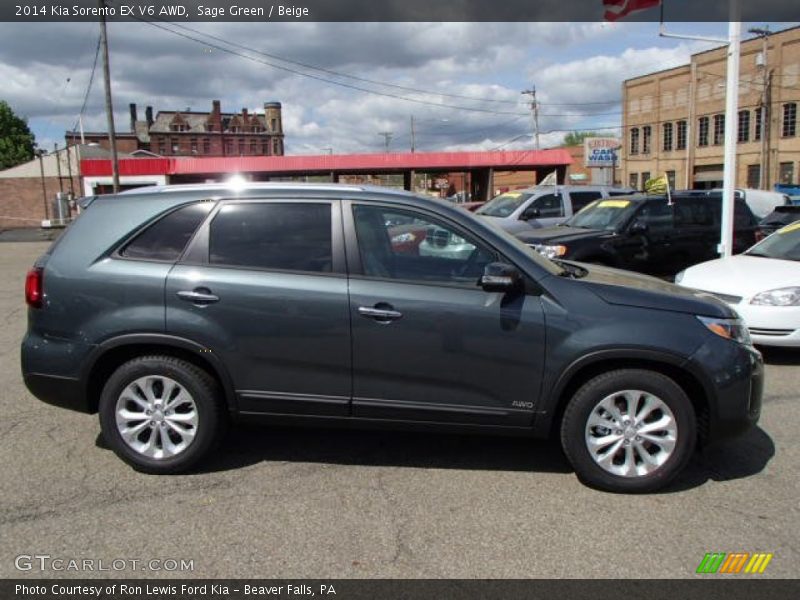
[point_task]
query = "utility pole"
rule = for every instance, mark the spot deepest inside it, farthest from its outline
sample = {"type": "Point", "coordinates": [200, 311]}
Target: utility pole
{"type": "Point", "coordinates": [387, 137]}
{"type": "Point", "coordinates": [40, 153]}
{"type": "Point", "coordinates": [534, 114]}
{"type": "Point", "coordinates": [413, 135]}
{"type": "Point", "coordinates": [766, 84]}
{"type": "Point", "coordinates": [58, 170]}
{"type": "Point", "coordinates": [112, 135]}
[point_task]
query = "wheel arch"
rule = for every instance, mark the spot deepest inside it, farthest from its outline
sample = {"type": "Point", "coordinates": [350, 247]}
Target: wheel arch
{"type": "Point", "coordinates": [109, 355]}
{"type": "Point", "coordinates": [548, 422]}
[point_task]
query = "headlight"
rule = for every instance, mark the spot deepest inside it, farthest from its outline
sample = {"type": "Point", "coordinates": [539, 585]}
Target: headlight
{"type": "Point", "coordinates": [731, 329]}
{"type": "Point", "coordinates": [550, 251]}
{"type": "Point", "coordinates": [404, 238]}
{"type": "Point", "coordinates": [789, 296]}
{"type": "Point", "coordinates": [679, 276]}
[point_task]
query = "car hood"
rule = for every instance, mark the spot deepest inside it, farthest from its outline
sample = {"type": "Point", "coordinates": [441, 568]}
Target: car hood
{"type": "Point", "coordinates": [625, 288]}
{"type": "Point", "coordinates": [559, 235]}
{"type": "Point", "coordinates": [742, 275]}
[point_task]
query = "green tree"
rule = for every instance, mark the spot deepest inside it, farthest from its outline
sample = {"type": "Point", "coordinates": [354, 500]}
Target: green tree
{"type": "Point", "coordinates": [16, 140]}
{"type": "Point", "coordinates": [575, 138]}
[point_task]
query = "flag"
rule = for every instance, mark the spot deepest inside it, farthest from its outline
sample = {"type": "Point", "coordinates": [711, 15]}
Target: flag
{"type": "Point", "coordinates": [616, 9]}
{"type": "Point", "coordinates": [658, 185]}
{"type": "Point", "coordinates": [551, 179]}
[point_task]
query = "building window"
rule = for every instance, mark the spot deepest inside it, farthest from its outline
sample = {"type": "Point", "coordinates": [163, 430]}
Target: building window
{"type": "Point", "coordinates": [265, 148]}
{"type": "Point", "coordinates": [786, 173]}
{"type": "Point", "coordinates": [671, 179]}
{"type": "Point", "coordinates": [719, 129]}
{"type": "Point", "coordinates": [241, 146]}
{"type": "Point", "coordinates": [162, 146]}
{"type": "Point", "coordinates": [754, 176]}
{"type": "Point", "coordinates": [681, 137]}
{"type": "Point", "coordinates": [253, 147]}
{"type": "Point", "coordinates": [634, 140]}
{"type": "Point", "coordinates": [206, 146]}
{"type": "Point", "coordinates": [194, 145]}
{"type": "Point", "coordinates": [633, 181]}
{"type": "Point", "coordinates": [175, 145]}
{"type": "Point", "coordinates": [645, 177]}
{"type": "Point", "coordinates": [758, 118]}
{"type": "Point", "coordinates": [273, 123]}
{"type": "Point", "coordinates": [229, 147]}
{"type": "Point", "coordinates": [276, 147]}
{"type": "Point", "coordinates": [647, 134]}
{"type": "Point", "coordinates": [789, 120]}
{"type": "Point", "coordinates": [743, 130]}
{"type": "Point", "coordinates": [667, 137]}
{"type": "Point", "coordinates": [702, 131]}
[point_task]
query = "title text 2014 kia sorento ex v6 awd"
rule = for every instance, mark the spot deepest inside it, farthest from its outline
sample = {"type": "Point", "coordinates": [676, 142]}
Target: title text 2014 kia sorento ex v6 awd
{"type": "Point", "coordinates": [171, 310]}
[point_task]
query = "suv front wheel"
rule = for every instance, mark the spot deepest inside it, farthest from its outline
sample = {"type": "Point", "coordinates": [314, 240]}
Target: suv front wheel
{"type": "Point", "coordinates": [629, 430]}
{"type": "Point", "coordinates": [161, 414]}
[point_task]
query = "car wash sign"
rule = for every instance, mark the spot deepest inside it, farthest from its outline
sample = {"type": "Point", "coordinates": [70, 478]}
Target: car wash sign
{"type": "Point", "coordinates": [600, 152]}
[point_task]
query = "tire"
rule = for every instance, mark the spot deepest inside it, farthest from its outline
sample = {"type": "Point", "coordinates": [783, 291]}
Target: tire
{"type": "Point", "coordinates": [161, 415]}
{"type": "Point", "coordinates": [628, 459]}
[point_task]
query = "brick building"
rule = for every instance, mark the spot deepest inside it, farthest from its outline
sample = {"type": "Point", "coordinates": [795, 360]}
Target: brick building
{"type": "Point", "coordinates": [23, 201]}
{"type": "Point", "coordinates": [190, 133]}
{"type": "Point", "coordinates": [674, 120]}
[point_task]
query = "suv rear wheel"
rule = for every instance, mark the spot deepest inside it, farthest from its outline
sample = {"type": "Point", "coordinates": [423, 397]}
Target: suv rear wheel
{"type": "Point", "coordinates": [161, 414]}
{"type": "Point", "coordinates": [629, 430]}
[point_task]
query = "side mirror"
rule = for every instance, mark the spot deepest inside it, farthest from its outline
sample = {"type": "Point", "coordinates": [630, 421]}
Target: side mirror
{"type": "Point", "coordinates": [500, 277]}
{"type": "Point", "coordinates": [638, 227]}
{"type": "Point", "coordinates": [531, 213]}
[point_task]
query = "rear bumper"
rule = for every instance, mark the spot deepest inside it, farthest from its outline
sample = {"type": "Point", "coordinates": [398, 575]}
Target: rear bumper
{"type": "Point", "coordinates": [51, 370]}
{"type": "Point", "coordinates": [735, 386]}
{"type": "Point", "coordinates": [64, 392]}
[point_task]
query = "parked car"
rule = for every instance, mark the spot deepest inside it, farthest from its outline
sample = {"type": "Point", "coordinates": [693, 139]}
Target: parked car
{"type": "Point", "coordinates": [762, 285]}
{"type": "Point", "coordinates": [646, 233]}
{"type": "Point", "coordinates": [761, 202]}
{"type": "Point", "coordinates": [781, 216]}
{"type": "Point", "coordinates": [171, 310]}
{"type": "Point", "coordinates": [544, 205]}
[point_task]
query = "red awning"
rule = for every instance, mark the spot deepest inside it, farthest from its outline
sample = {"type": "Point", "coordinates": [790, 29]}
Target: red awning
{"type": "Point", "coordinates": [343, 163]}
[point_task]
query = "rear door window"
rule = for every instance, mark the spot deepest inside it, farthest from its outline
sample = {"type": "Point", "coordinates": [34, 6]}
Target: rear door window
{"type": "Point", "coordinates": [273, 235]}
{"type": "Point", "coordinates": [581, 199]}
{"type": "Point", "coordinates": [658, 216]}
{"type": "Point", "coordinates": [166, 239]}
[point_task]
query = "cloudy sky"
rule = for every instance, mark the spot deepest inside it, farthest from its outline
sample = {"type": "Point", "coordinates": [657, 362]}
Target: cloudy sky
{"type": "Point", "coordinates": [343, 83]}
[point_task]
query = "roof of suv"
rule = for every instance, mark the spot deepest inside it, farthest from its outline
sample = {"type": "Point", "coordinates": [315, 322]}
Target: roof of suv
{"type": "Point", "coordinates": [245, 186]}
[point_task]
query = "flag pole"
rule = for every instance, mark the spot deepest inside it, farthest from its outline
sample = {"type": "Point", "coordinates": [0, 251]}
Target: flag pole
{"type": "Point", "coordinates": [669, 193]}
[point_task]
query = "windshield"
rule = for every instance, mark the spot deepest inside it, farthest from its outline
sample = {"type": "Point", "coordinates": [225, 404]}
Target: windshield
{"type": "Point", "coordinates": [503, 205]}
{"type": "Point", "coordinates": [784, 244]}
{"type": "Point", "coordinates": [602, 214]}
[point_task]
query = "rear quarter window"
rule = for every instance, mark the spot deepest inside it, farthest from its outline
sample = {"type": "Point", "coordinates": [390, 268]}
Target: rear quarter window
{"type": "Point", "coordinates": [166, 239]}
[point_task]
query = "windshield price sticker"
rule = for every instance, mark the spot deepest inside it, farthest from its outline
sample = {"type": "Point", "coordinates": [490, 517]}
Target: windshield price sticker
{"type": "Point", "coordinates": [614, 203]}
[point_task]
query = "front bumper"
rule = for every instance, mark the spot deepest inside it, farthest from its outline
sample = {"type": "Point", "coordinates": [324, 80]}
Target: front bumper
{"type": "Point", "coordinates": [733, 376]}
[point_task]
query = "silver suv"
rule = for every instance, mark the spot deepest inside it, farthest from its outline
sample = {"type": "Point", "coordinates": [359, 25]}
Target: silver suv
{"type": "Point", "coordinates": [544, 205]}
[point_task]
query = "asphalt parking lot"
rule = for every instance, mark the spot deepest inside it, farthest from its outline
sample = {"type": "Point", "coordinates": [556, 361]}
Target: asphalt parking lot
{"type": "Point", "coordinates": [302, 503]}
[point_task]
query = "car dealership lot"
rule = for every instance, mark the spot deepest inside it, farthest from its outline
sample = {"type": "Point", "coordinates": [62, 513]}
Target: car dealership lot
{"type": "Point", "coordinates": [303, 503]}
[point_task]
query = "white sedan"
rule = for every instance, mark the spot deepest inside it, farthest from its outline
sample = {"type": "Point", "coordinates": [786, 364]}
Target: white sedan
{"type": "Point", "coordinates": [762, 285]}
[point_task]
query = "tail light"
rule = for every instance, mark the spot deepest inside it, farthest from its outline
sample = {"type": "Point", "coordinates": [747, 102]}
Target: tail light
{"type": "Point", "coordinates": [34, 291]}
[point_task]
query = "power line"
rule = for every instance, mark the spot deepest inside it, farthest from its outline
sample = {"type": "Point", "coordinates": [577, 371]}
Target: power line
{"type": "Point", "coordinates": [89, 85]}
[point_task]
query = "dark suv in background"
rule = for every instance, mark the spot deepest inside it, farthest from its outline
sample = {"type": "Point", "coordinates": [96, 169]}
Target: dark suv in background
{"type": "Point", "coordinates": [650, 234]}
{"type": "Point", "coordinates": [171, 310]}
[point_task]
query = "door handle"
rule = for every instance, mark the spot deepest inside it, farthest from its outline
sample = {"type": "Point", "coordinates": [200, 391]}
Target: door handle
{"type": "Point", "coordinates": [382, 315]}
{"type": "Point", "coordinates": [198, 296]}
